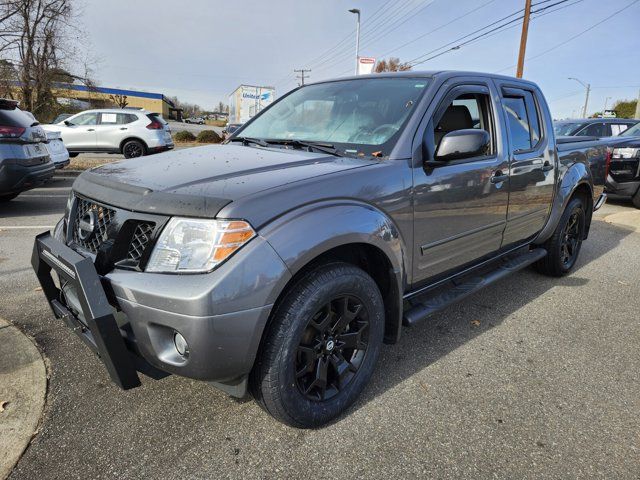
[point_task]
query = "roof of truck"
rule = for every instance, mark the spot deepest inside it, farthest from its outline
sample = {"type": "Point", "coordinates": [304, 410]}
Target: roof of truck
{"type": "Point", "coordinates": [428, 74]}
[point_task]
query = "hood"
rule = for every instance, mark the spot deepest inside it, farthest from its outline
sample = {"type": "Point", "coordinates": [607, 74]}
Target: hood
{"type": "Point", "coordinates": [200, 181]}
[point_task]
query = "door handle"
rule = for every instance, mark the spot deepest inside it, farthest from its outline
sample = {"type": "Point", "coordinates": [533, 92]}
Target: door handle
{"type": "Point", "coordinates": [123, 128]}
{"type": "Point", "coordinates": [91, 129]}
{"type": "Point", "coordinates": [499, 177]}
{"type": "Point", "coordinates": [547, 167]}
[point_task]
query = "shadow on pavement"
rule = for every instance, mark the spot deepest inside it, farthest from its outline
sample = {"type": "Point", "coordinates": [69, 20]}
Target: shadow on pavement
{"type": "Point", "coordinates": [444, 332]}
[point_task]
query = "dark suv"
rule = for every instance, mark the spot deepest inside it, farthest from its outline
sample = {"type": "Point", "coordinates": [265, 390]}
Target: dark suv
{"type": "Point", "coordinates": [593, 127]}
{"type": "Point", "coordinates": [24, 158]}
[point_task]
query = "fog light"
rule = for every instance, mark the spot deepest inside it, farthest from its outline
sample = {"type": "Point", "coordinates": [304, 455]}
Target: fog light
{"type": "Point", "coordinates": [181, 344]}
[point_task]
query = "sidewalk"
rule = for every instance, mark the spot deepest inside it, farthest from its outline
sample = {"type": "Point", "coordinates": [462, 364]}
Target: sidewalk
{"type": "Point", "coordinates": [23, 386]}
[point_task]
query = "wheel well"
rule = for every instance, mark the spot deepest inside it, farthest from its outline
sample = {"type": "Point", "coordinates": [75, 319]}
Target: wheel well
{"type": "Point", "coordinates": [583, 191]}
{"type": "Point", "coordinates": [373, 261]}
{"type": "Point", "coordinates": [146, 147]}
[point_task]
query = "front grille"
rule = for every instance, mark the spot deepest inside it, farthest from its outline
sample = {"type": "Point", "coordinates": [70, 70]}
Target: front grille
{"type": "Point", "coordinates": [103, 217]}
{"type": "Point", "coordinates": [119, 238]}
{"type": "Point", "coordinates": [140, 241]}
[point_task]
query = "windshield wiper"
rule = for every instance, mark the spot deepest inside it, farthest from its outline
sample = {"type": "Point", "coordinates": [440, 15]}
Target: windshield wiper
{"type": "Point", "coordinates": [248, 140]}
{"type": "Point", "coordinates": [320, 146]}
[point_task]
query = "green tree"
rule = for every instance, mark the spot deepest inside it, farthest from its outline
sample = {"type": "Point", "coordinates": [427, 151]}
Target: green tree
{"type": "Point", "coordinates": [625, 108]}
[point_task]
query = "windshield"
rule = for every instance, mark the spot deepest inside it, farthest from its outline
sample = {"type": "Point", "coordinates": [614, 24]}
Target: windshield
{"type": "Point", "coordinates": [561, 129]}
{"type": "Point", "coordinates": [632, 132]}
{"type": "Point", "coordinates": [357, 116]}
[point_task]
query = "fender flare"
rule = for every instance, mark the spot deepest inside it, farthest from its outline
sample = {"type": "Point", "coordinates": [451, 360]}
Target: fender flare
{"type": "Point", "coordinates": [304, 234]}
{"type": "Point", "coordinates": [575, 176]}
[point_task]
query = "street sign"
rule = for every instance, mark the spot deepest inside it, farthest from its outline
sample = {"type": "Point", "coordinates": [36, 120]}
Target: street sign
{"type": "Point", "coordinates": [365, 65]}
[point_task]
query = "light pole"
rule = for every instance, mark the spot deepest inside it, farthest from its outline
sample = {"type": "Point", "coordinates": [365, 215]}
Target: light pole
{"type": "Point", "coordinates": [586, 100]}
{"type": "Point", "coordinates": [606, 100]}
{"type": "Point", "coordinates": [357, 12]}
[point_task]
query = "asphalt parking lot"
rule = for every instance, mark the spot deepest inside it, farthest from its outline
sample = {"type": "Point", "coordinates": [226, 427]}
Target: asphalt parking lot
{"type": "Point", "coordinates": [532, 378]}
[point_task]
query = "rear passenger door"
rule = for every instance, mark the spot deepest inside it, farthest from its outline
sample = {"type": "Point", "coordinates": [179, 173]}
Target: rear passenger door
{"type": "Point", "coordinates": [532, 167]}
{"type": "Point", "coordinates": [113, 129]}
{"type": "Point", "coordinates": [460, 206]}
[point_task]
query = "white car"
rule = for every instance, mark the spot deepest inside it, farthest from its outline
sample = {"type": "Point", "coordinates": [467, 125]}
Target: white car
{"type": "Point", "coordinates": [133, 133]}
{"type": "Point", "coordinates": [57, 151]}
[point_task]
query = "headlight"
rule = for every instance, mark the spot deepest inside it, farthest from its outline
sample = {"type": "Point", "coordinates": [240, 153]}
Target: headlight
{"type": "Point", "coordinates": [625, 153]}
{"type": "Point", "coordinates": [188, 245]}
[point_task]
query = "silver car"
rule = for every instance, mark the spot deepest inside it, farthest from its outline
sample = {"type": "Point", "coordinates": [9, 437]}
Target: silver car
{"type": "Point", "coordinates": [24, 158]}
{"type": "Point", "coordinates": [133, 133]}
{"type": "Point", "coordinates": [57, 151]}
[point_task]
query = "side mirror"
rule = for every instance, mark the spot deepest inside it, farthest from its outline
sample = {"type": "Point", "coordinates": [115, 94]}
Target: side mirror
{"type": "Point", "coordinates": [461, 144]}
{"type": "Point", "coordinates": [68, 123]}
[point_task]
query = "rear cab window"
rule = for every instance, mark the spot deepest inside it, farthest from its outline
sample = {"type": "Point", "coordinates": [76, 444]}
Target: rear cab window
{"type": "Point", "coordinates": [523, 119]}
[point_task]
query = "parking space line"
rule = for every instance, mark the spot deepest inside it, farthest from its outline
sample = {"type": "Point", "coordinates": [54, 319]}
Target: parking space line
{"type": "Point", "coordinates": [24, 227]}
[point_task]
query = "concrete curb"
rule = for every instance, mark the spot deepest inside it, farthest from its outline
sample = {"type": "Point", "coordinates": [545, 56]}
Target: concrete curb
{"type": "Point", "coordinates": [23, 389]}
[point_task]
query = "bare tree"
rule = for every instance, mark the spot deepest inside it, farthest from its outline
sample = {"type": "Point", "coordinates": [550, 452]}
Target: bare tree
{"type": "Point", "coordinates": [33, 35]}
{"type": "Point", "coordinates": [392, 65]}
{"type": "Point", "coordinates": [119, 100]}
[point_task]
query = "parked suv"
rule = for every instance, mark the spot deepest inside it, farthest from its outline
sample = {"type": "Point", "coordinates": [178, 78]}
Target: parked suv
{"type": "Point", "coordinates": [624, 174]}
{"type": "Point", "coordinates": [280, 261]}
{"type": "Point", "coordinates": [593, 127]}
{"type": "Point", "coordinates": [133, 133]}
{"type": "Point", "coordinates": [24, 159]}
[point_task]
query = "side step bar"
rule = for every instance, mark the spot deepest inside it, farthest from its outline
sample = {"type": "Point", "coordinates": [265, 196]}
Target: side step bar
{"type": "Point", "coordinates": [433, 304]}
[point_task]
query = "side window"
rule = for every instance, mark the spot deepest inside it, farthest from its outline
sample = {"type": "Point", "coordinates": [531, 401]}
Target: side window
{"type": "Point", "coordinates": [524, 121]}
{"type": "Point", "coordinates": [467, 111]}
{"type": "Point", "coordinates": [518, 123]}
{"type": "Point", "coordinates": [85, 119]}
{"type": "Point", "coordinates": [108, 119]}
{"type": "Point", "coordinates": [593, 130]}
{"type": "Point", "coordinates": [124, 118]}
{"type": "Point", "coordinates": [618, 128]}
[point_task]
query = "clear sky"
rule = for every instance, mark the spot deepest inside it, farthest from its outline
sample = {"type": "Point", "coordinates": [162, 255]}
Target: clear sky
{"type": "Point", "coordinates": [200, 50]}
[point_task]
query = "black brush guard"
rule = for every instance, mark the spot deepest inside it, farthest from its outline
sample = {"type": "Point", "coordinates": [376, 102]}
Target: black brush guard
{"type": "Point", "coordinates": [101, 332]}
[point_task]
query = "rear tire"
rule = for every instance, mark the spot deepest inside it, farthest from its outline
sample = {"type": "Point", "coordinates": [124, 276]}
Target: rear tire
{"type": "Point", "coordinates": [321, 347]}
{"type": "Point", "coordinates": [564, 245]}
{"type": "Point", "coordinates": [636, 199]}
{"type": "Point", "coordinates": [73, 154]}
{"type": "Point", "coordinates": [8, 198]}
{"type": "Point", "coordinates": [133, 149]}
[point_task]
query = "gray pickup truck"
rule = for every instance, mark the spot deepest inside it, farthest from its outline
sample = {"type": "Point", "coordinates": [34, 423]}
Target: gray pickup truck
{"type": "Point", "coordinates": [279, 262]}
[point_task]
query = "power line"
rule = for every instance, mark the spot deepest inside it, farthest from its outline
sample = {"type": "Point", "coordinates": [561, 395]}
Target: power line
{"type": "Point", "coordinates": [573, 37]}
{"type": "Point", "coordinates": [457, 46]}
{"type": "Point", "coordinates": [301, 77]}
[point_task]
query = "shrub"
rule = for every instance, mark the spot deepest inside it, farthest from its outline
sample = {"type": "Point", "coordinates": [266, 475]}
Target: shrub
{"type": "Point", "coordinates": [184, 136]}
{"type": "Point", "coordinates": [208, 136]}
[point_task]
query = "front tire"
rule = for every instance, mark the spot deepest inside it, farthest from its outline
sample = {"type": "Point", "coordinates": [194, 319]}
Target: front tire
{"type": "Point", "coordinates": [133, 149]}
{"type": "Point", "coordinates": [321, 347]}
{"type": "Point", "coordinates": [564, 245]}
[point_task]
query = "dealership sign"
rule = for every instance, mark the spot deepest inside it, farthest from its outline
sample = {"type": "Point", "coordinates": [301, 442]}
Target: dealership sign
{"type": "Point", "coordinates": [365, 65]}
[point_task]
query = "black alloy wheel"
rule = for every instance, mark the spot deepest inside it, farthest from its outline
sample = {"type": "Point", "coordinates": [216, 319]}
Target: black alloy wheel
{"type": "Point", "coordinates": [571, 239]}
{"type": "Point", "coordinates": [564, 245]}
{"type": "Point", "coordinates": [133, 149]}
{"type": "Point", "coordinates": [332, 348]}
{"type": "Point", "coordinates": [321, 346]}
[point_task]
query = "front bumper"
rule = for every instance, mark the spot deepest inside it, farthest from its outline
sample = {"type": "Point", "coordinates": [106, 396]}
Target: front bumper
{"type": "Point", "coordinates": [623, 189]}
{"type": "Point", "coordinates": [15, 178]}
{"type": "Point", "coordinates": [130, 318]}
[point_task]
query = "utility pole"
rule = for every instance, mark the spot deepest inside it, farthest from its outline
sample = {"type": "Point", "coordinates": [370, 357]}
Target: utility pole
{"type": "Point", "coordinates": [523, 37]}
{"type": "Point", "coordinates": [302, 76]}
{"type": "Point", "coordinates": [357, 12]}
{"type": "Point", "coordinates": [637, 114]}
{"type": "Point", "coordinates": [586, 99]}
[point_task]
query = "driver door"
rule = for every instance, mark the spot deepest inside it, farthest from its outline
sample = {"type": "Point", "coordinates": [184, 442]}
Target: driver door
{"type": "Point", "coordinates": [460, 206]}
{"type": "Point", "coordinates": [79, 132]}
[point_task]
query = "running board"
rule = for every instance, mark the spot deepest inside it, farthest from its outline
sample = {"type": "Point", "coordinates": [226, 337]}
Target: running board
{"type": "Point", "coordinates": [431, 305]}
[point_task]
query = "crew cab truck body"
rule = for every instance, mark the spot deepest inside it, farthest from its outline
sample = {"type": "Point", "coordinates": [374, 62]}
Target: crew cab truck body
{"type": "Point", "coordinates": [624, 173]}
{"type": "Point", "coordinates": [281, 260]}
